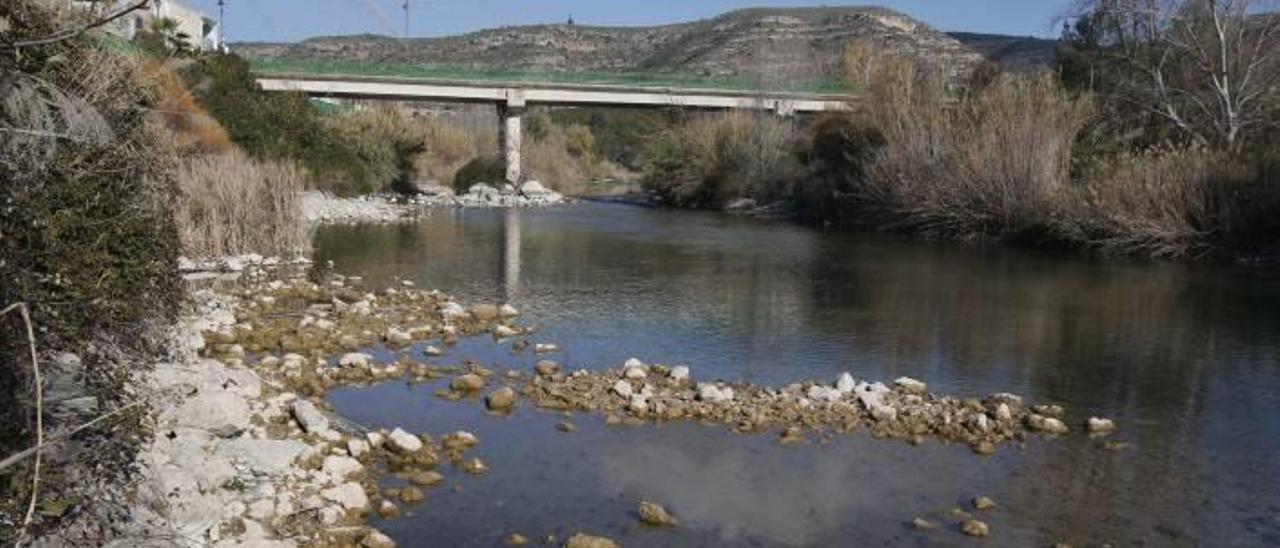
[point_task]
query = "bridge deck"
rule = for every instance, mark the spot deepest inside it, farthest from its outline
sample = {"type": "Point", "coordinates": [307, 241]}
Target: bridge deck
{"type": "Point", "coordinates": [521, 93]}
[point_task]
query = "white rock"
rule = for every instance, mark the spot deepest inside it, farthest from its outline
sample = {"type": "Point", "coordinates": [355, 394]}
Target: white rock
{"type": "Point", "coordinates": [432, 351]}
{"type": "Point", "coordinates": [375, 439]}
{"type": "Point", "coordinates": [262, 509]}
{"type": "Point", "coordinates": [503, 331]}
{"type": "Point", "coordinates": [453, 311]}
{"type": "Point", "coordinates": [911, 385]}
{"type": "Point", "coordinates": [546, 348]}
{"type": "Point", "coordinates": [980, 422]}
{"type": "Point", "coordinates": [222, 413]}
{"type": "Point", "coordinates": [398, 337]}
{"type": "Point", "coordinates": [639, 403]}
{"type": "Point", "coordinates": [265, 457]}
{"type": "Point", "coordinates": [634, 372]}
{"type": "Point", "coordinates": [404, 442]}
{"type": "Point", "coordinates": [632, 362]}
{"type": "Point", "coordinates": [508, 311]}
{"type": "Point", "coordinates": [309, 418]}
{"type": "Point", "coordinates": [293, 361]}
{"type": "Point", "coordinates": [1098, 425]}
{"type": "Point", "coordinates": [824, 394]}
{"type": "Point", "coordinates": [623, 388]}
{"type": "Point", "coordinates": [341, 468]}
{"type": "Point", "coordinates": [350, 495]}
{"type": "Point", "coordinates": [357, 447]}
{"type": "Point", "coordinates": [845, 383]}
{"type": "Point", "coordinates": [679, 373]}
{"type": "Point", "coordinates": [1003, 413]}
{"type": "Point", "coordinates": [714, 394]}
{"type": "Point", "coordinates": [355, 359]}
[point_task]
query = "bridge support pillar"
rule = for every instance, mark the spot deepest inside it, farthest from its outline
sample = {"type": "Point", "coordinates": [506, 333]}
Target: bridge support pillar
{"type": "Point", "coordinates": [512, 133]}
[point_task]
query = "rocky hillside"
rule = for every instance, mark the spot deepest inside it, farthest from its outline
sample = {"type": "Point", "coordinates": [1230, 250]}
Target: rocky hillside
{"type": "Point", "coordinates": [771, 45]}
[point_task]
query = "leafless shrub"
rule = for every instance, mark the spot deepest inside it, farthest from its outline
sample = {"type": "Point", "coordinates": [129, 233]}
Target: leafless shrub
{"type": "Point", "coordinates": [232, 204]}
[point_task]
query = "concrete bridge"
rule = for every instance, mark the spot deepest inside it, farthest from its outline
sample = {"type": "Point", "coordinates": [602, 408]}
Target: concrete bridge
{"type": "Point", "coordinates": [512, 98]}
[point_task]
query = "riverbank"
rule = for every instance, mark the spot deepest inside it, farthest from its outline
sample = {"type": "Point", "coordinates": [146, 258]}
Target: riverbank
{"type": "Point", "coordinates": [245, 449]}
{"type": "Point", "coordinates": [322, 208]}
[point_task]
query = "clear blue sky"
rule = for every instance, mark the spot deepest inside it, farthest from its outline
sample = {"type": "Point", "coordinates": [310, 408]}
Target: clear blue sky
{"type": "Point", "coordinates": [289, 20]}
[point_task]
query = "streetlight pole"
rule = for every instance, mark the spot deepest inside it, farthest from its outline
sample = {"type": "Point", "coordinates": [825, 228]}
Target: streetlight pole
{"type": "Point", "coordinates": [222, 24]}
{"type": "Point", "coordinates": [406, 19]}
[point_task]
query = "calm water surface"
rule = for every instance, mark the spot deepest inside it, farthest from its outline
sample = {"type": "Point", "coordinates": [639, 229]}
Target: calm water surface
{"type": "Point", "coordinates": [1185, 358]}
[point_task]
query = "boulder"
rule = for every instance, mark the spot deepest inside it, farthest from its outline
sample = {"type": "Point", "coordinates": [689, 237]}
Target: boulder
{"type": "Point", "coordinates": [375, 539]}
{"type": "Point", "coordinates": [824, 394]}
{"type": "Point", "coordinates": [1098, 425]}
{"type": "Point", "coordinates": [546, 368]}
{"type": "Point", "coordinates": [679, 373]}
{"type": "Point", "coordinates": [845, 383]}
{"type": "Point", "coordinates": [508, 311]}
{"type": "Point", "coordinates": [349, 495]}
{"type": "Point", "coordinates": [357, 447]}
{"type": "Point", "coordinates": [714, 394]}
{"type": "Point", "coordinates": [975, 528]}
{"type": "Point", "coordinates": [583, 540]}
{"type": "Point", "coordinates": [653, 514]}
{"type": "Point", "coordinates": [355, 359]}
{"type": "Point", "coordinates": [502, 399]}
{"type": "Point", "coordinates": [484, 312]}
{"type": "Point", "coordinates": [404, 442]}
{"type": "Point", "coordinates": [310, 419]}
{"type": "Point", "coordinates": [340, 468]}
{"type": "Point", "coordinates": [911, 386]}
{"type": "Point", "coordinates": [224, 414]}
{"type": "Point", "coordinates": [623, 388]}
{"type": "Point", "coordinates": [467, 383]}
{"type": "Point", "coordinates": [984, 503]}
{"type": "Point", "coordinates": [533, 188]}
{"type": "Point", "coordinates": [1046, 425]}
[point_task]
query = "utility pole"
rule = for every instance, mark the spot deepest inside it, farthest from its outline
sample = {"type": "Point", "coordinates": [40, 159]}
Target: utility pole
{"type": "Point", "coordinates": [406, 19]}
{"type": "Point", "coordinates": [222, 24]}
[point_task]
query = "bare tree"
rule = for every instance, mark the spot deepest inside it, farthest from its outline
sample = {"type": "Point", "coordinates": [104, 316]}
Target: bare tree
{"type": "Point", "coordinates": [1207, 67]}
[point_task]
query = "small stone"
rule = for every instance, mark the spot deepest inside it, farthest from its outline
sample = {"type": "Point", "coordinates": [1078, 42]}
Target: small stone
{"type": "Point", "coordinates": [1055, 411]}
{"type": "Point", "coordinates": [432, 351]}
{"type": "Point", "coordinates": [975, 528]}
{"type": "Point", "coordinates": [340, 468]}
{"type": "Point", "coordinates": [1098, 425]}
{"type": "Point", "coordinates": [1047, 425]}
{"type": "Point", "coordinates": [623, 388]}
{"type": "Point", "coordinates": [565, 426]}
{"type": "Point", "coordinates": [411, 495]}
{"type": "Point", "coordinates": [1003, 413]}
{"type": "Point", "coordinates": [545, 348]}
{"type": "Point", "coordinates": [375, 439]}
{"type": "Point", "coordinates": [984, 448]}
{"type": "Point", "coordinates": [508, 311]}
{"type": "Point", "coordinates": [582, 540]}
{"type": "Point", "coordinates": [375, 539]}
{"type": "Point", "coordinates": [388, 509]}
{"type": "Point", "coordinates": [546, 368]}
{"type": "Point", "coordinates": [357, 447]}
{"type": "Point", "coordinates": [404, 442]}
{"type": "Point", "coordinates": [467, 383]}
{"type": "Point", "coordinates": [426, 479]}
{"type": "Point", "coordinates": [845, 383]}
{"type": "Point", "coordinates": [679, 373]}
{"type": "Point", "coordinates": [793, 435]}
{"type": "Point", "coordinates": [396, 337]}
{"type": "Point", "coordinates": [923, 524]}
{"type": "Point", "coordinates": [911, 386]}
{"type": "Point", "coordinates": [502, 399]}
{"type": "Point", "coordinates": [310, 419]}
{"type": "Point", "coordinates": [984, 503]}
{"type": "Point", "coordinates": [355, 359]}
{"type": "Point", "coordinates": [653, 514]}
{"type": "Point", "coordinates": [475, 467]}
{"type": "Point", "coordinates": [516, 539]}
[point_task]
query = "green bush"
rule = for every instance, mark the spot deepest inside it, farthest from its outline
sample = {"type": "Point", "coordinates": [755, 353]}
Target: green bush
{"type": "Point", "coordinates": [485, 169]}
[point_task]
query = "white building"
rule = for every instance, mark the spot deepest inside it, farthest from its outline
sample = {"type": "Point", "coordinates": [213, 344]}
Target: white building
{"type": "Point", "coordinates": [201, 32]}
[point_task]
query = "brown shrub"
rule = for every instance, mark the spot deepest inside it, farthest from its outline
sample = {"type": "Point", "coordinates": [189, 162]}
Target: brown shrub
{"type": "Point", "coordinates": [231, 204]}
{"type": "Point", "coordinates": [194, 130]}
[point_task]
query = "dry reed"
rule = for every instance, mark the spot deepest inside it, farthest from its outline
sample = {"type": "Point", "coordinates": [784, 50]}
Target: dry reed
{"type": "Point", "coordinates": [231, 204]}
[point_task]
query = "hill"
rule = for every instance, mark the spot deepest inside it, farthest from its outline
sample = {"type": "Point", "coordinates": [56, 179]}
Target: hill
{"type": "Point", "coordinates": [774, 47]}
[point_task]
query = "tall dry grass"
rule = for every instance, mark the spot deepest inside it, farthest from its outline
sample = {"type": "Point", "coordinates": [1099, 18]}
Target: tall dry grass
{"type": "Point", "coordinates": [192, 128]}
{"type": "Point", "coordinates": [231, 204]}
{"type": "Point", "coordinates": [565, 157]}
{"type": "Point", "coordinates": [963, 163]}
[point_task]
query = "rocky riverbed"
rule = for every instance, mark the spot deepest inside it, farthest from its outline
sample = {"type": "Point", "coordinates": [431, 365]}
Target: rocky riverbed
{"type": "Point", "coordinates": [321, 208]}
{"type": "Point", "coordinates": [246, 450]}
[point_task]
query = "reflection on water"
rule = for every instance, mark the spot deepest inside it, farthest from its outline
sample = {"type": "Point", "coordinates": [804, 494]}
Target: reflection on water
{"type": "Point", "coordinates": [1184, 357]}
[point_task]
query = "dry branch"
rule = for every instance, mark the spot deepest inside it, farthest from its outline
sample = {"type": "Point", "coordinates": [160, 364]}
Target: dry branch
{"type": "Point", "coordinates": [68, 34]}
{"type": "Point", "coordinates": [35, 367]}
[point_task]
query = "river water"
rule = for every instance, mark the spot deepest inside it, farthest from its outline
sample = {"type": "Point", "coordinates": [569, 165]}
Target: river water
{"type": "Point", "coordinates": [1185, 358]}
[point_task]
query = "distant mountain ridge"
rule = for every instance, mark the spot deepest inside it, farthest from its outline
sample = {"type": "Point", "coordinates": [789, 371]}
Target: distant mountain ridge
{"type": "Point", "coordinates": [769, 45]}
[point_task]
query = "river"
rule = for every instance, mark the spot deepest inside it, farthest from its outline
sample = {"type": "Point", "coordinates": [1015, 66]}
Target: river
{"type": "Point", "coordinates": [1186, 358]}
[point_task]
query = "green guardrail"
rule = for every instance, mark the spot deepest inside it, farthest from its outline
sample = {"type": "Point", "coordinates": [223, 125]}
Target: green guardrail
{"type": "Point", "coordinates": [450, 72]}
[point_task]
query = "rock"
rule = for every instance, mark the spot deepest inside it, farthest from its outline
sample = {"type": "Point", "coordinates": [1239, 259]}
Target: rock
{"type": "Point", "coordinates": [349, 495]}
{"type": "Point", "coordinates": [355, 359]}
{"type": "Point", "coordinates": [484, 312]}
{"type": "Point", "coordinates": [533, 188]}
{"type": "Point", "coordinates": [1055, 411]}
{"type": "Point", "coordinates": [634, 370]}
{"type": "Point", "coordinates": [792, 435]}
{"type": "Point", "coordinates": [871, 396]}
{"type": "Point", "coordinates": [741, 204]}
{"type": "Point", "coordinates": [984, 503]}
{"type": "Point", "coordinates": [516, 539]}
{"type": "Point", "coordinates": [411, 495]}
{"type": "Point", "coordinates": [388, 509]}
{"type": "Point", "coordinates": [714, 394]}
{"type": "Point", "coordinates": [1097, 425]}
{"type": "Point", "coordinates": [653, 514]}
{"type": "Point", "coordinates": [396, 337]}
{"type": "Point", "coordinates": [975, 528]}
{"type": "Point", "coordinates": [845, 383]}
{"type": "Point", "coordinates": [375, 439]}
{"type": "Point", "coordinates": [404, 442]}
{"type": "Point", "coordinates": [566, 427]}
{"type": "Point", "coordinates": [911, 386]}
{"type": "Point", "coordinates": [504, 332]}
{"type": "Point", "coordinates": [980, 422]}
{"type": "Point", "coordinates": [639, 404]}
{"type": "Point", "coordinates": [508, 311]}
{"type": "Point", "coordinates": [223, 414]}
{"type": "Point", "coordinates": [824, 394]}
{"type": "Point", "coordinates": [623, 388]}
{"type": "Point", "coordinates": [475, 467]}
{"type": "Point", "coordinates": [582, 540]}
{"type": "Point", "coordinates": [430, 188]}
{"type": "Point", "coordinates": [923, 524]}
{"type": "Point", "coordinates": [679, 373]}
{"type": "Point", "coordinates": [432, 351]}
{"type": "Point", "coordinates": [310, 419]}
{"type": "Point", "coordinates": [547, 348]}
{"type": "Point", "coordinates": [469, 382]}
{"type": "Point", "coordinates": [546, 368]}
{"type": "Point", "coordinates": [357, 447]}
{"type": "Point", "coordinates": [502, 399]}
{"type": "Point", "coordinates": [1047, 425]}
{"type": "Point", "coordinates": [1003, 413]}
{"type": "Point", "coordinates": [452, 311]}
{"type": "Point", "coordinates": [426, 479]}
{"type": "Point", "coordinates": [264, 457]}
{"type": "Point", "coordinates": [375, 539]}
{"type": "Point", "coordinates": [341, 468]}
